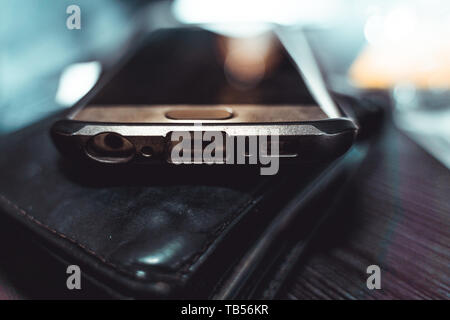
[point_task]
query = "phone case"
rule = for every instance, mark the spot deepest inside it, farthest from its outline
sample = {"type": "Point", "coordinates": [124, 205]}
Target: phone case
{"type": "Point", "coordinates": [129, 83]}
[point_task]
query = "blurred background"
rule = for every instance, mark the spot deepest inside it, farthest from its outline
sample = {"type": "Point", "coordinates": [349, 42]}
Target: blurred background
{"type": "Point", "coordinates": [397, 47]}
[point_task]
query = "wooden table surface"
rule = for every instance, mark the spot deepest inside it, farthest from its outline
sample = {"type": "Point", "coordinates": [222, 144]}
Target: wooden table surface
{"type": "Point", "coordinates": [395, 215]}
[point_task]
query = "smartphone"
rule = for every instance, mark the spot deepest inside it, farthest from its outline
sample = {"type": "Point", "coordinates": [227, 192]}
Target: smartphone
{"type": "Point", "coordinates": [177, 86]}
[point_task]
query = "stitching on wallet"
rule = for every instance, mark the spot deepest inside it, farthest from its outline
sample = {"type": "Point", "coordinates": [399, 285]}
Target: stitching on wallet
{"type": "Point", "coordinates": [48, 228]}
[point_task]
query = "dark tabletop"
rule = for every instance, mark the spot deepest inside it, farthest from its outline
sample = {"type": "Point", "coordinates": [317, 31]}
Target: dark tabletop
{"type": "Point", "coordinates": [395, 215]}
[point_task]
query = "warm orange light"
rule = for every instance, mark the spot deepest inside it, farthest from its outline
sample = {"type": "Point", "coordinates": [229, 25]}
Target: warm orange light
{"type": "Point", "coordinates": [247, 60]}
{"type": "Point", "coordinates": [379, 67]}
{"type": "Point", "coordinates": [407, 44]}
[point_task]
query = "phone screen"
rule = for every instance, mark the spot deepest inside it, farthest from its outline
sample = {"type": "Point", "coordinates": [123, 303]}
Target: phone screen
{"type": "Point", "coordinates": [193, 66]}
